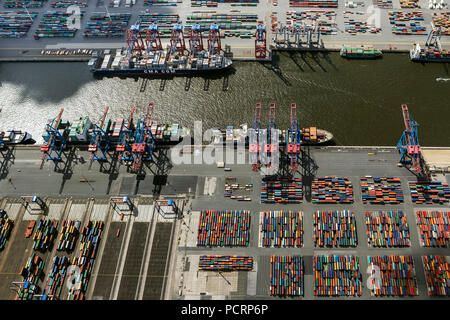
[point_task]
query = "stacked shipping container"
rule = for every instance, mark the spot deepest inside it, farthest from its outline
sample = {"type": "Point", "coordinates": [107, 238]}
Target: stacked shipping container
{"type": "Point", "coordinates": [334, 229]}
{"type": "Point", "coordinates": [438, 275]}
{"type": "Point", "coordinates": [384, 190]}
{"type": "Point", "coordinates": [281, 190]}
{"type": "Point", "coordinates": [281, 228]}
{"type": "Point", "coordinates": [225, 263]}
{"type": "Point", "coordinates": [434, 228]}
{"type": "Point", "coordinates": [286, 276]}
{"type": "Point", "coordinates": [331, 189]}
{"type": "Point", "coordinates": [429, 192]}
{"type": "Point", "coordinates": [387, 229]}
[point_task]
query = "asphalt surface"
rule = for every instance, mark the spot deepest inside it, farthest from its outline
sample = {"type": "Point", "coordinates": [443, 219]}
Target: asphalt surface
{"type": "Point", "coordinates": [142, 256]}
{"type": "Point", "coordinates": [29, 48]}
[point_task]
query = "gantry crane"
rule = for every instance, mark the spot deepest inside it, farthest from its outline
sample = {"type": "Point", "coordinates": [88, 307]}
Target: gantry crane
{"type": "Point", "coordinates": [293, 139]}
{"type": "Point", "coordinates": [55, 141]}
{"type": "Point", "coordinates": [177, 44]}
{"type": "Point", "coordinates": [2, 143]}
{"type": "Point", "coordinates": [260, 41]}
{"type": "Point", "coordinates": [152, 38]}
{"type": "Point", "coordinates": [144, 142]}
{"type": "Point", "coordinates": [100, 140]}
{"type": "Point", "coordinates": [408, 145]}
{"type": "Point", "coordinates": [214, 45]}
{"type": "Point", "coordinates": [123, 148]}
{"type": "Point", "coordinates": [135, 42]}
{"type": "Point", "coordinates": [271, 143]}
{"type": "Point", "coordinates": [195, 39]}
{"type": "Point", "coordinates": [254, 139]}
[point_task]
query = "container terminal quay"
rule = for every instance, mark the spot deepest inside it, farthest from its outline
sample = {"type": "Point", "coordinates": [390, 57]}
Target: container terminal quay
{"type": "Point", "coordinates": [139, 235]}
{"type": "Point", "coordinates": [391, 25]}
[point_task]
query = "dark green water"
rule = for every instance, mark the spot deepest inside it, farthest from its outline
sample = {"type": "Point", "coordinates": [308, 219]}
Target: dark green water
{"type": "Point", "coordinates": [358, 101]}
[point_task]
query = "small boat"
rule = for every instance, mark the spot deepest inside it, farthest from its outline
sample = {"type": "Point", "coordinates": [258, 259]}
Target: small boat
{"type": "Point", "coordinates": [362, 52]}
{"type": "Point", "coordinates": [442, 79]}
{"type": "Point", "coordinates": [16, 137]}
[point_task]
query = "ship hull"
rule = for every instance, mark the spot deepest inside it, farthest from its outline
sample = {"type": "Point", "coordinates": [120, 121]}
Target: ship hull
{"type": "Point", "coordinates": [159, 73]}
{"type": "Point", "coordinates": [424, 59]}
{"type": "Point", "coordinates": [361, 57]}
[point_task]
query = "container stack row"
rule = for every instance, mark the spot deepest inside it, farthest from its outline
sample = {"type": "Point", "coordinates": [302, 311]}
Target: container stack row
{"type": "Point", "coordinates": [204, 3]}
{"type": "Point", "coordinates": [334, 229]}
{"type": "Point", "coordinates": [314, 3]}
{"type": "Point", "coordinates": [392, 275]}
{"type": "Point", "coordinates": [69, 235]}
{"type": "Point", "coordinates": [55, 279]}
{"type": "Point", "coordinates": [225, 263]}
{"type": "Point", "coordinates": [336, 275]}
{"type": "Point", "coordinates": [434, 228]}
{"type": "Point", "coordinates": [281, 190]}
{"type": "Point", "coordinates": [161, 2]}
{"type": "Point", "coordinates": [15, 24]}
{"type": "Point", "coordinates": [281, 228]}
{"type": "Point", "coordinates": [387, 229]}
{"type": "Point", "coordinates": [286, 276]}
{"type": "Point", "coordinates": [442, 20]}
{"type": "Point", "coordinates": [383, 4]}
{"type": "Point", "coordinates": [429, 192]}
{"type": "Point", "coordinates": [68, 3]}
{"type": "Point", "coordinates": [381, 190]}
{"type": "Point", "coordinates": [165, 22]}
{"type": "Point", "coordinates": [409, 4]}
{"type": "Point", "coordinates": [102, 25]}
{"type": "Point", "coordinates": [45, 234]}
{"type": "Point", "coordinates": [56, 24]}
{"type": "Point", "coordinates": [223, 228]}
{"type": "Point", "coordinates": [6, 226]}
{"type": "Point", "coordinates": [231, 25]}
{"type": "Point", "coordinates": [325, 20]}
{"type": "Point", "coordinates": [356, 22]}
{"type": "Point", "coordinates": [438, 275]}
{"type": "Point", "coordinates": [23, 4]}
{"type": "Point", "coordinates": [89, 242]}
{"type": "Point", "coordinates": [331, 189]}
{"type": "Point", "coordinates": [406, 23]}
{"type": "Point", "coordinates": [31, 273]}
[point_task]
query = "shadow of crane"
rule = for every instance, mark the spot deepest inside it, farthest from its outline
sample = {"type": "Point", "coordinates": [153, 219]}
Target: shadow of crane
{"type": "Point", "coordinates": [6, 161]}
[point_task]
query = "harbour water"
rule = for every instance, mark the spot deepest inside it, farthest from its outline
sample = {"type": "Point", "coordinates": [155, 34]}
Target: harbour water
{"type": "Point", "coordinates": [358, 101]}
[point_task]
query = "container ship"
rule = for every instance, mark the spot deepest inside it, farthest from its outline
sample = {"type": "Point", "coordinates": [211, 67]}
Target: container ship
{"type": "Point", "coordinates": [79, 131]}
{"type": "Point", "coordinates": [418, 54]}
{"type": "Point", "coordinates": [363, 52]}
{"type": "Point", "coordinates": [147, 57]}
{"type": "Point", "coordinates": [15, 137]}
{"type": "Point", "coordinates": [310, 135]}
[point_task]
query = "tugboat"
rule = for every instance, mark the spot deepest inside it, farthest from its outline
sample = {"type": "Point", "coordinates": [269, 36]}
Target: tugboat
{"type": "Point", "coordinates": [362, 52]}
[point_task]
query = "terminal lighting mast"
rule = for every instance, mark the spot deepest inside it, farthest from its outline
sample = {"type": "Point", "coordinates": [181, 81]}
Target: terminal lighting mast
{"type": "Point", "coordinates": [214, 45]}
{"type": "Point", "coordinates": [254, 139]}
{"type": "Point", "coordinates": [100, 140]}
{"type": "Point", "coordinates": [152, 38]}
{"type": "Point", "coordinates": [177, 43]}
{"type": "Point", "coordinates": [135, 43]}
{"type": "Point", "coordinates": [260, 41]}
{"type": "Point", "coordinates": [195, 39]}
{"type": "Point", "coordinates": [293, 139]}
{"type": "Point", "coordinates": [408, 145]}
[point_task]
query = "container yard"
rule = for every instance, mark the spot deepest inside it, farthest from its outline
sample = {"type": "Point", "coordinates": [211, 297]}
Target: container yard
{"type": "Point", "coordinates": [442, 20]}
{"type": "Point", "coordinates": [407, 23]}
{"type": "Point", "coordinates": [381, 190]}
{"type": "Point", "coordinates": [281, 190]}
{"type": "Point", "coordinates": [398, 275]}
{"type": "Point", "coordinates": [334, 229]}
{"type": "Point", "coordinates": [281, 229]}
{"type": "Point", "coordinates": [356, 23]}
{"type": "Point", "coordinates": [225, 263]}
{"type": "Point", "coordinates": [433, 228]}
{"type": "Point", "coordinates": [15, 24]}
{"type": "Point", "coordinates": [6, 226]}
{"type": "Point", "coordinates": [438, 275]}
{"type": "Point", "coordinates": [45, 234]}
{"type": "Point", "coordinates": [223, 228]}
{"type": "Point", "coordinates": [387, 229]}
{"type": "Point", "coordinates": [325, 20]}
{"type": "Point", "coordinates": [286, 276]}
{"type": "Point", "coordinates": [332, 189]}
{"type": "Point", "coordinates": [435, 192]}
{"type": "Point", "coordinates": [336, 275]}
{"type": "Point", "coordinates": [102, 25]}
